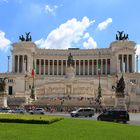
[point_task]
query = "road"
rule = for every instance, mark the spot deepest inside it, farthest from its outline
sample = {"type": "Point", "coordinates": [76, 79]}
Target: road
{"type": "Point", "coordinates": [134, 117]}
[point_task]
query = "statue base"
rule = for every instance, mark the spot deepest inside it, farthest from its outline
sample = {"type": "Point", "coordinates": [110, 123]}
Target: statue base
{"type": "Point", "coordinates": [3, 99]}
{"type": "Point", "coordinates": [120, 103]}
{"type": "Point", "coordinates": [70, 72]}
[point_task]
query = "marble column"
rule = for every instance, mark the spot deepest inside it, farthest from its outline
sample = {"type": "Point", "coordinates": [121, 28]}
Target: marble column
{"type": "Point", "coordinates": [92, 67]}
{"type": "Point", "coordinates": [66, 64]}
{"type": "Point", "coordinates": [61, 67]}
{"type": "Point", "coordinates": [133, 63]}
{"type": "Point", "coordinates": [39, 66]}
{"type": "Point", "coordinates": [48, 67]}
{"type": "Point", "coordinates": [117, 63]}
{"type": "Point", "coordinates": [84, 67]}
{"type": "Point", "coordinates": [18, 64]}
{"type": "Point", "coordinates": [101, 66]}
{"type": "Point", "coordinates": [44, 66]}
{"type": "Point", "coordinates": [123, 64]}
{"type": "Point", "coordinates": [79, 67]}
{"type": "Point", "coordinates": [75, 64]}
{"type": "Point", "coordinates": [29, 64]}
{"type": "Point", "coordinates": [88, 67]}
{"type": "Point", "coordinates": [128, 63]}
{"type": "Point", "coordinates": [52, 67]}
{"type": "Point", "coordinates": [22, 63]}
{"type": "Point", "coordinates": [97, 66]}
{"type": "Point", "coordinates": [13, 63]}
{"type": "Point", "coordinates": [57, 67]}
{"type": "Point", "coordinates": [106, 66]}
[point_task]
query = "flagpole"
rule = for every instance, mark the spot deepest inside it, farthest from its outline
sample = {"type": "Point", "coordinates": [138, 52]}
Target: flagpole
{"type": "Point", "coordinates": [99, 73]}
{"type": "Point", "coordinates": [98, 98]}
{"type": "Point", "coordinates": [33, 84]}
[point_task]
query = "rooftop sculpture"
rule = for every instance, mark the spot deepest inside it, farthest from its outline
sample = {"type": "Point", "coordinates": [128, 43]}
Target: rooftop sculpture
{"type": "Point", "coordinates": [27, 38]}
{"type": "Point", "coordinates": [121, 36]}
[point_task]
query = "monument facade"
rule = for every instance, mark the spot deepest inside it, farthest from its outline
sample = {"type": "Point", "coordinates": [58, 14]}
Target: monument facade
{"type": "Point", "coordinates": [52, 69]}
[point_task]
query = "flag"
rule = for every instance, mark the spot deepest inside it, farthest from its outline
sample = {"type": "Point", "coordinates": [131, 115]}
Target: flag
{"type": "Point", "coordinates": [33, 70]}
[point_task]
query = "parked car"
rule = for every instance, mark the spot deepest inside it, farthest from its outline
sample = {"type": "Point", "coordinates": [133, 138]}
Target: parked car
{"type": "Point", "coordinates": [87, 112]}
{"type": "Point", "coordinates": [37, 111]}
{"type": "Point", "coordinates": [114, 115]}
{"type": "Point", "coordinates": [19, 110]}
{"type": "Point", "coordinates": [5, 110]}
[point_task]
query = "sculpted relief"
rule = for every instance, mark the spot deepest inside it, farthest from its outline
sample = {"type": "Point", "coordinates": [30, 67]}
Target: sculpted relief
{"type": "Point", "coordinates": [83, 90]}
{"type": "Point", "coordinates": [55, 90]}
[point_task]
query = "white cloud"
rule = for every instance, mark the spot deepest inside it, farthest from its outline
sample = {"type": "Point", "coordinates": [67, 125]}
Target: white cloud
{"type": "Point", "coordinates": [86, 35]}
{"type": "Point", "coordinates": [66, 34]}
{"type": "Point", "coordinates": [103, 25]}
{"type": "Point", "coordinates": [35, 10]}
{"type": "Point", "coordinates": [4, 1]}
{"type": "Point", "coordinates": [90, 44]}
{"type": "Point", "coordinates": [51, 9]}
{"type": "Point", "coordinates": [138, 49]}
{"type": "Point", "coordinates": [4, 42]}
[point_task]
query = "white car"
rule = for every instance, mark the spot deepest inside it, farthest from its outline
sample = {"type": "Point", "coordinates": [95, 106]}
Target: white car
{"type": "Point", "coordinates": [83, 112]}
{"type": "Point", "coordinates": [19, 110]}
{"type": "Point", "coordinates": [37, 111]}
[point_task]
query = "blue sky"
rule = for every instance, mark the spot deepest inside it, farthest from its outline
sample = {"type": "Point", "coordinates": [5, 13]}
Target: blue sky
{"type": "Point", "coordinates": [67, 23]}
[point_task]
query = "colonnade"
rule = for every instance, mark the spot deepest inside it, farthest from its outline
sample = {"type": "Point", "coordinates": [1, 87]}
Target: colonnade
{"type": "Point", "coordinates": [82, 67]}
{"type": "Point", "coordinates": [20, 63]}
{"type": "Point", "coordinates": [126, 63]}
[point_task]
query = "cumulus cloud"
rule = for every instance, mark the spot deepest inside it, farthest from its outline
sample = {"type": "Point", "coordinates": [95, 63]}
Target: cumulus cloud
{"type": "Point", "coordinates": [66, 34]}
{"type": "Point", "coordinates": [90, 44]}
{"type": "Point", "coordinates": [138, 49]}
{"type": "Point", "coordinates": [4, 1]}
{"type": "Point", "coordinates": [103, 25]}
{"type": "Point", "coordinates": [4, 42]}
{"type": "Point", "coordinates": [86, 35]}
{"type": "Point", "coordinates": [51, 9]}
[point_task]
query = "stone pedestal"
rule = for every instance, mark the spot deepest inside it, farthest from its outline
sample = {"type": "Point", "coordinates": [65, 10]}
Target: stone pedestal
{"type": "Point", "coordinates": [120, 103]}
{"type": "Point", "coordinates": [70, 72]}
{"type": "Point", "coordinates": [3, 99]}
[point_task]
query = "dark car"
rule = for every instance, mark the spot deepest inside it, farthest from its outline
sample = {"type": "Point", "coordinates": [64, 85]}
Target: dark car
{"type": "Point", "coordinates": [114, 115]}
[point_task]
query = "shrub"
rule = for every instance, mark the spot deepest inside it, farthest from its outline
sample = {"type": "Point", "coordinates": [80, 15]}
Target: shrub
{"type": "Point", "coordinates": [34, 119]}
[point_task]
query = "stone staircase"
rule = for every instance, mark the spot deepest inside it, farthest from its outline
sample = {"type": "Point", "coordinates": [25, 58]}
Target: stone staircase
{"type": "Point", "coordinates": [15, 101]}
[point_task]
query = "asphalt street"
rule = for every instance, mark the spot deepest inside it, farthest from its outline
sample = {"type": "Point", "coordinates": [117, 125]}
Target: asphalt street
{"type": "Point", "coordinates": [134, 117]}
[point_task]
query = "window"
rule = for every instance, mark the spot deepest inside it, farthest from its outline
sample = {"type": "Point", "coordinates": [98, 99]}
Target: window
{"type": "Point", "coordinates": [133, 81]}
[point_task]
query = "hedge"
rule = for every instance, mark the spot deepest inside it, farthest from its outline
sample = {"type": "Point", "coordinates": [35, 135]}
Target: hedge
{"type": "Point", "coordinates": [33, 119]}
